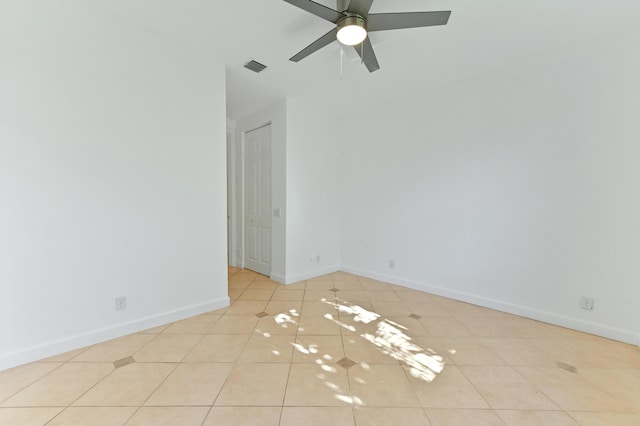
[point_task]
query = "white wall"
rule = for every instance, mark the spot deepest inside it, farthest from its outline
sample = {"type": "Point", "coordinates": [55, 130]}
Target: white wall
{"type": "Point", "coordinates": [313, 188]}
{"type": "Point", "coordinates": [112, 180]}
{"type": "Point", "coordinates": [517, 190]}
{"type": "Point", "coordinates": [305, 187]}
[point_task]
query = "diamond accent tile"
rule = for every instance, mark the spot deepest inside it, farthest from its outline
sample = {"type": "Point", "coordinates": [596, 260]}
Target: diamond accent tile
{"type": "Point", "coordinates": [124, 361]}
{"type": "Point", "coordinates": [346, 363]}
{"type": "Point", "coordinates": [415, 316]}
{"type": "Point", "coordinates": [262, 314]}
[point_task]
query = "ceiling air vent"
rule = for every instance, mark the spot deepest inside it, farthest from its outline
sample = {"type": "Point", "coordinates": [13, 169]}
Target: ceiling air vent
{"type": "Point", "coordinates": [254, 66]}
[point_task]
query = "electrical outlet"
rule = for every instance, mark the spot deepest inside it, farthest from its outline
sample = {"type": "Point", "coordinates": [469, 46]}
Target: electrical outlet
{"type": "Point", "coordinates": [392, 264]}
{"type": "Point", "coordinates": [586, 303]}
{"type": "Point", "coordinates": [318, 259]}
{"type": "Point", "coordinates": [121, 303]}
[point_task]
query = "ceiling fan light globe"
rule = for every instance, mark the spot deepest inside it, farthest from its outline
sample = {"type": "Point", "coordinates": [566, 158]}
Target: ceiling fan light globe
{"type": "Point", "coordinates": [351, 34]}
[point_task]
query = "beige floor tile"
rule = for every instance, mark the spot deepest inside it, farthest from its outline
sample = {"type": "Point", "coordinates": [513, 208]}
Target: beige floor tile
{"type": "Point", "coordinates": [64, 357]}
{"type": "Point", "coordinates": [243, 416]}
{"type": "Point", "coordinates": [318, 325]}
{"type": "Point", "coordinates": [412, 326]}
{"type": "Point", "coordinates": [360, 350]}
{"type": "Point", "coordinates": [268, 349]}
{"type": "Point", "coordinates": [517, 351]}
{"type": "Point", "coordinates": [535, 418]}
{"type": "Point", "coordinates": [570, 391]}
{"type": "Point", "coordinates": [239, 285]}
{"type": "Point", "coordinates": [252, 294]}
{"type": "Point", "coordinates": [448, 389]}
{"type": "Point", "coordinates": [348, 285]}
{"type": "Point", "coordinates": [34, 416]}
{"type": "Point", "coordinates": [319, 284]}
{"type": "Point", "coordinates": [128, 386]}
{"type": "Point", "coordinates": [234, 295]}
{"type": "Point", "coordinates": [623, 384]}
{"type": "Point", "coordinates": [602, 353]}
{"type": "Point", "coordinates": [301, 285]}
{"type": "Point", "coordinates": [504, 388]}
{"type": "Point", "coordinates": [455, 359]}
{"type": "Point", "coordinates": [381, 385]}
{"type": "Point", "coordinates": [16, 379]}
{"type": "Point", "coordinates": [390, 416]}
{"type": "Point", "coordinates": [366, 323]}
{"type": "Point", "coordinates": [246, 307]}
{"type": "Point", "coordinates": [167, 348]}
{"type": "Point", "coordinates": [317, 385]}
{"type": "Point", "coordinates": [234, 324]}
{"type": "Point", "coordinates": [327, 349]}
{"type": "Point", "coordinates": [347, 309]}
{"type": "Point", "coordinates": [115, 349]}
{"type": "Point", "coordinates": [318, 308]}
{"type": "Point", "coordinates": [388, 309]}
{"type": "Point", "coordinates": [373, 285]}
{"type": "Point", "coordinates": [383, 296]}
{"type": "Point", "coordinates": [354, 296]}
{"type": "Point", "coordinates": [410, 295]}
{"type": "Point", "coordinates": [155, 330]}
{"type": "Point", "coordinates": [290, 307]}
{"type": "Point", "coordinates": [285, 295]}
{"type": "Point", "coordinates": [540, 330]}
{"type": "Point", "coordinates": [465, 351]}
{"type": "Point", "coordinates": [196, 325]}
{"type": "Point", "coordinates": [467, 310]}
{"type": "Point", "coordinates": [282, 324]}
{"type": "Point", "coordinates": [191, 384]}
{"type": "Point", "coordinates": [93, 416]}
{"type": "Point", "coordinates": [317, 416]}
{"type": "Point", "coordinates": [318, 296]}
{"type": "Point", "coordinates": [451, 417]}
{"type": "Point", "coordinates": [445, 327]}
{"type": "Point", "coordinates": [62, 386]}
{"type": "Point", "coordinates": [608, 419]}
{"type": "Point", "coordinates": [254, 385]}
{"type": "Point", "coordinates": [218, 312]}
{"type": "Point", "coordinates": [218, 348]}
{"type": "Point", "coordinates": [494, 327]}
{"type": "Point", "coordinates": [169, 416]}
{"type": "Point", "coordinates": [425, 307]}
{"type": "Point", "coordinates": [263, 285]}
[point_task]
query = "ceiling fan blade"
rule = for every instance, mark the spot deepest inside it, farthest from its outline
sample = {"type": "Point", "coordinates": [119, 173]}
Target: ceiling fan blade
{"type": "Point", "coordinates": [396, 21]}
{"type": "Point", "coordinates": [317, 9]}
{"type": "Point", "coordinates": [368, 55]}
{"type": "Point", "coordinates": [360, 7]}
{"type": "Point", "coordinates": [316, 45]}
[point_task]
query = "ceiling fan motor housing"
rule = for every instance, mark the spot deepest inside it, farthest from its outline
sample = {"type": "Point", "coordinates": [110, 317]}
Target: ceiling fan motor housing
{"type": "Point", "coordinates": [355, 26]}
{"type": "Point", "coordinates": [352, 19]}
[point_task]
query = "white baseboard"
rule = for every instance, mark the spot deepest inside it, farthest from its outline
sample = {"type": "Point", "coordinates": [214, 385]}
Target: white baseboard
{"type": "Point", "coordinates": [291, 279]}
{"type": "Point", "coordinates": [67, 344]}
{"type": "Point", "coordinates": [621, 335]}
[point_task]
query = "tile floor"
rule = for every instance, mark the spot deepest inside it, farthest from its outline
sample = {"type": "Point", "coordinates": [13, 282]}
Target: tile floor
{"type": "Point", "coordinates": [335, 350]}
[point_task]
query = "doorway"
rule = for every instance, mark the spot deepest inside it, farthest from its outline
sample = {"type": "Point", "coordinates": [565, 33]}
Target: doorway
{"type": "Point", "coordinates": [257, 200]}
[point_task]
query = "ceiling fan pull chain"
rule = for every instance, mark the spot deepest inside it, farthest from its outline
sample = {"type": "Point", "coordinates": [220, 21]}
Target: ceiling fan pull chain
{"type": "Point", "coordinates": [362, 53]}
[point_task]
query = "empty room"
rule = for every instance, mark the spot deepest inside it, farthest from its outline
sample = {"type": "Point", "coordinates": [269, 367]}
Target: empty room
{"type": "Point", "coordinates": [292, 212]}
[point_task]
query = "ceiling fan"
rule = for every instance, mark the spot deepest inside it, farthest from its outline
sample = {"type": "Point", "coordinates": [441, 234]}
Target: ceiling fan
{"type": "Point", "coordinates": [354, 22]}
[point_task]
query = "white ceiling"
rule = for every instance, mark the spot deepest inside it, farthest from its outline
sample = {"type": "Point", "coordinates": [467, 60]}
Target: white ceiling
{"type": "Point", "coordinates": [480, 36]}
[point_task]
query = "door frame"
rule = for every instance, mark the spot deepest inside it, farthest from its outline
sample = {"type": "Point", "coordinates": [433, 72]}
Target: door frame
{"type": "Point", "coordinates": [276, 116]}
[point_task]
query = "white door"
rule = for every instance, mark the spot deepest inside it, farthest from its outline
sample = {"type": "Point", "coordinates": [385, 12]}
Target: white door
{"type": "Point", "coordinates": [257, 200]}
